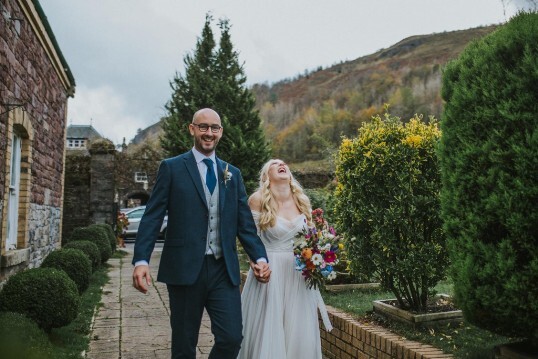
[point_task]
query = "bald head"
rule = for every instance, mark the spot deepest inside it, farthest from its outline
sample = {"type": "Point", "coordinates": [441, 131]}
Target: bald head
{"type": "Point", "coordinates": [205, 113]}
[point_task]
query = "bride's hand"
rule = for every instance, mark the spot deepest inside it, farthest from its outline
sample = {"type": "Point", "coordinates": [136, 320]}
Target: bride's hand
{"type": "Point", "coordinates": [262, 272]}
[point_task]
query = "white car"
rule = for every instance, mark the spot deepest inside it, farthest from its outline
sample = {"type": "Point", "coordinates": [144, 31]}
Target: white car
{"type": "Point", "coordinates": [134, 215]}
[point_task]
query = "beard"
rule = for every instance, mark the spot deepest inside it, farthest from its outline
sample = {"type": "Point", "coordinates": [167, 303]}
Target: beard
{"type": "Point", "coordinates": [206, 144]}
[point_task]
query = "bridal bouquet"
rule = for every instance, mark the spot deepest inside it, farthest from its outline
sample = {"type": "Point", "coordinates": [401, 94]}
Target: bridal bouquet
{"type": "Point", "coordinates": [316, 251]}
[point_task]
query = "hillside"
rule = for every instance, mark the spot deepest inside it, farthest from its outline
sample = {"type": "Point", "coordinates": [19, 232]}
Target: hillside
{"type": "Point", "coordinates": [404, 57]}
{"type": "Point", "coordinates": [304, 118]}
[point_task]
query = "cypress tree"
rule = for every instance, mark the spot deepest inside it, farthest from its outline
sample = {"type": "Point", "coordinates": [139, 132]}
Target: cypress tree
{"type": "Point", "coordinates": [190, 93]}
{"type": "Point", "coordinates": [489, 164]}
{"type": "Point", "coordinates": [243, 143]}
{"type": "Point", "coordinates": [214, 78]}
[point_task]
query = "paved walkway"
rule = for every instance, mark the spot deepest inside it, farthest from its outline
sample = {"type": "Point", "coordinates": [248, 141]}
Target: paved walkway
{"type": "Point", "coordinates": [131, 325]}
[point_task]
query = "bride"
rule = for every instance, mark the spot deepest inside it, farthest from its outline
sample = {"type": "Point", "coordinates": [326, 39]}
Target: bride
{"type": "Point", "coordinates": [280, 318]}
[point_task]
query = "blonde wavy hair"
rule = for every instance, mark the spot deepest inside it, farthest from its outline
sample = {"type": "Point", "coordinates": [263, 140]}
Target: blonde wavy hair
{"type": "Point", "coordinates": [269, 206]}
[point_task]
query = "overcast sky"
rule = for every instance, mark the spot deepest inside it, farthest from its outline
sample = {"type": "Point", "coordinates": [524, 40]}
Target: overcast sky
{"type": "Point", "coordinates": [123, 53]}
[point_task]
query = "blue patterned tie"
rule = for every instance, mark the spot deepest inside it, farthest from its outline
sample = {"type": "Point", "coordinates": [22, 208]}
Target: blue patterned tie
{"type": "Point", "coordinates": [210, 179]}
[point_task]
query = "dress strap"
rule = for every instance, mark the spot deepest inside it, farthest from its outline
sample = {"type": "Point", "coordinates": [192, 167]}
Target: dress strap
{"type": "Point", "coordinates": [322, 310]}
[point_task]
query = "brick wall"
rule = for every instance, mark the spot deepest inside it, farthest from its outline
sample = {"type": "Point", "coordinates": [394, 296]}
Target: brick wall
{"type": "Point", "coordinates": [351, 339]}
{"type": "Point", "coordinates": [29, 77]}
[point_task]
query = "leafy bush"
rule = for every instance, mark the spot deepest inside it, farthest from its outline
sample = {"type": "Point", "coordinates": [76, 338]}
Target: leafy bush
{"type": "Point", "coordinates": [489, 162]}
{"type": "Point", "coordinates": [74, 262]}
{"type": "Point", "coordinates": [46, 295]}
{"type": "Point", "coordinates": [322, 198]}
{"type": "Point", "coordinates": [387, 206]}
{"type": "Point", "coordinates": [110, 234]}
{"type": "Point", "coordinates": [90, 249]}
{"type": "Point", "coordinates": [20, 337]}
{"type": "Point", "coordinates": [96, 235]}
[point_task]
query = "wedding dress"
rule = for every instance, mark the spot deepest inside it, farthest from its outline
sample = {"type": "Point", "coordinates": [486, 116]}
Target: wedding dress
{"type": "Point", "coordinates": [280, 318]}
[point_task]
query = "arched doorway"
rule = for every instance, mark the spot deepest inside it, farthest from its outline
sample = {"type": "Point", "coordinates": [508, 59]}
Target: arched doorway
{"type": "Point", "coordinates": [134, 199]}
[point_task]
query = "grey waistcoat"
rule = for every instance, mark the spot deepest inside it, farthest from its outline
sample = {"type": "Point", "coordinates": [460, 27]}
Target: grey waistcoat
{"type": "Point", "coordinates": [213, 236]}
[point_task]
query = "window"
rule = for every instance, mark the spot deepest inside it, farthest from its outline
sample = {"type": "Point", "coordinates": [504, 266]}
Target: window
{"type": "Point", "coordinates": [76, 143]}
{"type": "Point", "coordinates": [136, 213]}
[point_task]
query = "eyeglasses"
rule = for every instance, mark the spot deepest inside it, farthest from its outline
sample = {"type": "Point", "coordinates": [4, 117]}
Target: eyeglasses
{"type": "Point", "coordinates": [203, 127]}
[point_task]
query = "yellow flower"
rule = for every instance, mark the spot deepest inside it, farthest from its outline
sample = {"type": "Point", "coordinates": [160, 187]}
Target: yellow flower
{"type": "Point", "coordinates": [413, 140]}
{"type": "Point", "coordinates": [340, 246]}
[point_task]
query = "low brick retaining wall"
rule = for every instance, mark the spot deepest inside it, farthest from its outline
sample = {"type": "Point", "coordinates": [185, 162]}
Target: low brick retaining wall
{"type": "Point", "coordinates": [351, 339]}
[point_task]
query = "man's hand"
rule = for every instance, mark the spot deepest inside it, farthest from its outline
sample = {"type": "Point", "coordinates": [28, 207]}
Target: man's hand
{"type": "Point", "coordinates": [261, 270]}
{"type": "Point", "coordinates": [141, 278]}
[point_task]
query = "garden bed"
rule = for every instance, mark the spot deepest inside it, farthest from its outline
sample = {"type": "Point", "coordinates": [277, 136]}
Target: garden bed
{"type": "Point", "coordinates": [439, 311]}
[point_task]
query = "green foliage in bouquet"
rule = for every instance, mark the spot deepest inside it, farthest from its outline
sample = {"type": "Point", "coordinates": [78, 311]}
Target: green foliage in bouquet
{"type": "Point", "coordinates": [90, 249]}
{"type": "Point", "coordinates": [20, 337]}
{"type": "Point", "coordinates": [489, 164]}
{"type": "Point", "coordinates": [74, 262]}
{"type": "Point", "coordinates": [46, 295]}
{"type": "Point", "coordinates": [96, 235]}
{"type": "Point", "coordinates": [387, 206]}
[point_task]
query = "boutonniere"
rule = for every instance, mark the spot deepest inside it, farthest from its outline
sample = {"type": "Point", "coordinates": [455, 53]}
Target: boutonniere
{"type": "Point", "coordinates": [227, 175]}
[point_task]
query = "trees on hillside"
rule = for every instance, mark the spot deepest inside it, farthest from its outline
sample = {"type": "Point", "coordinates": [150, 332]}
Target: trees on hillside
{"type": "Point", "coordinates": [214, 78]}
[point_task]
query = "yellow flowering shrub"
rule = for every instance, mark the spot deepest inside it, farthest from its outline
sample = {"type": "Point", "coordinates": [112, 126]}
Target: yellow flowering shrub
{"type": "Point", "coordinates": [387, 205]}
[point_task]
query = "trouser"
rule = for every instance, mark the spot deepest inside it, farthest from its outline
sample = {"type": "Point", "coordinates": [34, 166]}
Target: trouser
{"type": "Point", "coordinates": [222, 300]}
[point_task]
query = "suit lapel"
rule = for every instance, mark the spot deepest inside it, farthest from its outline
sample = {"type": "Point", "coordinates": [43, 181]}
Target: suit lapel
{"type": "Point", "coordinates": [192, 168]}
{"type": "Point", "coordinates": [222, 187]}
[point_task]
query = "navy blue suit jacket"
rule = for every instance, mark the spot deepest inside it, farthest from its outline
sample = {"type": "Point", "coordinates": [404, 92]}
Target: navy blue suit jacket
{"type": "Point", "coordinates": [179, 190]}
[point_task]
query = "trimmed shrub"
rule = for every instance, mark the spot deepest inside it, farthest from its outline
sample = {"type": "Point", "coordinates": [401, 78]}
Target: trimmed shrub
{"type": "Point", "coordinates": [20, 337]}
{"type": "Point", "coordinates": [110, 234]}
{"type": "Point", "coordinates": [46, 295]}
{"type": "Point", "coordinates": [74, 262]}
{"type": "Point", "coordinates": [489, 163]}
{"type": "Point", "coordinates": [90, 249]}
{"type": "Point", "coordinates": [96, 235]}
{"type": "Point", "coordinates": [387, 207]}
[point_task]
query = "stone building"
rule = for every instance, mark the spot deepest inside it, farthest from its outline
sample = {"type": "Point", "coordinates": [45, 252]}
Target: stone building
{"type": "Point", "coordinates": [35, 84]}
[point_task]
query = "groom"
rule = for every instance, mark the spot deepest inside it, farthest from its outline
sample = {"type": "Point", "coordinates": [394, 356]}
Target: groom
{"type": "Point", "coordinates": [207, 210]}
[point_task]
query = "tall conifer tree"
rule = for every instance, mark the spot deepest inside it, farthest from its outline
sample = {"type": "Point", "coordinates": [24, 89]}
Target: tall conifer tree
{"type": "Point", "coordinates": [214, 78]}
{"type": "Point", "coordinates": [190, 93]}
{"type": "Point", "coordinates": [244, 141]}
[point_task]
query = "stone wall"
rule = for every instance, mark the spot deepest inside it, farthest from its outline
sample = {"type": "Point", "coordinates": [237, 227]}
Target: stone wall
{"type": "Point", "coordinates": [89, 187]}
{"type": "Point", "coordinates": [44, 231]}
{"type": "Point", "coordinates": [313, 179]}
{"type": "Point", "coordinates": [76, 192]}
{"type": "Point", "coordinates": [102, 182]}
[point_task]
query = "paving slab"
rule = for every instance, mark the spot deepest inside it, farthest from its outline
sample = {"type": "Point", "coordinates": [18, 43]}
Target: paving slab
{"type": "Point", "coordinates": [131, 325]}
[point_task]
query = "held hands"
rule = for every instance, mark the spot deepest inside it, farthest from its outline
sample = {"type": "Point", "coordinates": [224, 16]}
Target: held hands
{"type": "Point", "coordinates": [261, 270]}
{"type": "Point", "coordinates": [141, 278]}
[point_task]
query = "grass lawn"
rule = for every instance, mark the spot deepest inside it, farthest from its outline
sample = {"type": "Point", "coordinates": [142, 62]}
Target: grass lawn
{"type": "Point", "coordinates": [462, 340]}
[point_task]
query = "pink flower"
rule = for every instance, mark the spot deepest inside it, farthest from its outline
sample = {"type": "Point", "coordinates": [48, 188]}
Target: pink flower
{"type": "Point", "coordinates": [330, 256]}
